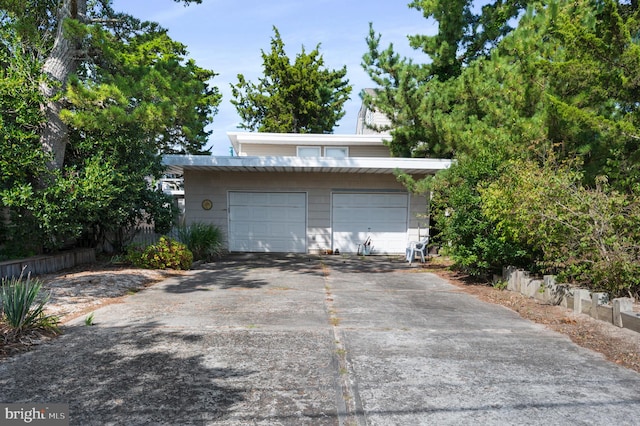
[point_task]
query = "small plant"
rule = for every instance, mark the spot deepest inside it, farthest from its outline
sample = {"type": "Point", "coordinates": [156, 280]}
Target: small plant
{"type": "Point", "coordinates": [203, 239]}
{"type": "Point", "coordinates": [500, 284]}
{"type": "Point", "coordinates": [117, 259]}
{"type": "Point", "coordinates": [167, 253]}
{"type": "Point", "coordinates": [23, 306]}
{"type": "Point", "coordinates": [88, 321]}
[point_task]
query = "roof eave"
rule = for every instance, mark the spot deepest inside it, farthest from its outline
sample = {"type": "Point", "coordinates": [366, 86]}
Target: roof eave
{"type": "Point", "coordinates": [179, 163]}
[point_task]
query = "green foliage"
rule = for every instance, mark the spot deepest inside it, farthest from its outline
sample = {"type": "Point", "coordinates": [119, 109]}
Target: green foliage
{"type": "Point", "coordinates": [167, 253]}
{"type": "Point", "coordinates": [587, 235]}
{"type": "Point", "coordinates": [594, 89]}
{"type": "Point", "coordinates": [23, 308]}
{"type": "Point", "coordinates": [20, 116]}
{"type": "Point", "coordinates": [63, 209]}
{"type": "Point", "coordinates": [302, 97]}
{"type": "Point", "coordinates": [560, 88]}
{"type": "Point", "coordinates": [21, 159]}
{"type": "Point", "coordinates": [418, 98]}
{"type": "Point", "coordinates": [134, 96]}
{"type": "Point", "coordinates": [203, 239]}
{"type": "Point", "coordinates": [143, 88]}
{"type": "Point", "coordinates": [88, 321]}
{"type": "Point", "coordinates": [502, 284]}
{"type": "Point", "coordinates": [473, 242]}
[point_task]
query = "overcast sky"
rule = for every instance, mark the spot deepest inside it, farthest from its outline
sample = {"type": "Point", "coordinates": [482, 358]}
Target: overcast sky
{"type": "Point", "coordinates": [227, 36]}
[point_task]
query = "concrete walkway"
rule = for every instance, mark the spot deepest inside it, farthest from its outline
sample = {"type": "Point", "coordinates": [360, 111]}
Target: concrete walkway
{"type": "Point", "coordinates": [318, 341]}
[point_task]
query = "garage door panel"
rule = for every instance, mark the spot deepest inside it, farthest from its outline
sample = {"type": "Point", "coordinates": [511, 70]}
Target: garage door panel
{"type": "Point", "coordinates": [381, 242]}
{"type": "Point", "coordinates": [384, 219]}
{"type": "Point", "coordinates": [371, 200]}
{"type": "Point", "coordinates": [267, 222]}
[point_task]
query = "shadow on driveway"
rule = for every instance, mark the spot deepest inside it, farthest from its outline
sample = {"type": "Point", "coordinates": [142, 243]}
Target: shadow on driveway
{"type": "Point", "coordinates": [143, 374]}
{"type": "Point", "coordinates": [238, 271]}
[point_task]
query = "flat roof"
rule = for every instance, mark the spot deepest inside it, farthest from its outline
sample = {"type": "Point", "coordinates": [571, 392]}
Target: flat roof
{"type": "Point", "coordinates": [375, 165]}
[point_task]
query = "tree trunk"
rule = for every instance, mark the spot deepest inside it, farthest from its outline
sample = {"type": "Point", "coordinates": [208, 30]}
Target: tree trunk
{"type": "Point", "coordinates": [60, 63]}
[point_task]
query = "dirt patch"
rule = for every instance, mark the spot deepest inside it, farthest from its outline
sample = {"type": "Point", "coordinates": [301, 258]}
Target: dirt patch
{"type": "Point", "coordinates": [618, 345]}
{"type": "Point", "coordinates": [79, 291]}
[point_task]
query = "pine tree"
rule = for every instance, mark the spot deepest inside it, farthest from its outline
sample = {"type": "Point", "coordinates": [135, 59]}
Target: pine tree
{"type": "Point", "coordinates": [298, 97]}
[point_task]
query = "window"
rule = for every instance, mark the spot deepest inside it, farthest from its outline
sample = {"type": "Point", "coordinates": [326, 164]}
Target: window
{"type": "Point", "coordinates": [369, 117]}
{"type": "Point", "coordinates": [336, 152]}
{"type": "Point", "coordinates": [308, 151]}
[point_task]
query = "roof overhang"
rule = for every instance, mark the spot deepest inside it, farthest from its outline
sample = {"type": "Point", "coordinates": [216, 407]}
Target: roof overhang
{"type": "Point", "coordinates": [177, 164]}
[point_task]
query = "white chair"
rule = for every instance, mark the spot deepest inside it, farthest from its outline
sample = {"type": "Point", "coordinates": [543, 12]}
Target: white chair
{"type": "Point", "coordinates": [417, 247]}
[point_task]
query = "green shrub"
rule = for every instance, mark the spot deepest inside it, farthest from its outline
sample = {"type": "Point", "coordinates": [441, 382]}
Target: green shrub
{"type": "Point", "coordinates": [167, 253]}
{"type": "Point", "coordinates": [586, 235]}
{"type": "Point", "coordinates": [474, 243]}
{"type": "Point", "coordinates": [23, 306]}
{"type": "Point", "coordinates": [203, 239]}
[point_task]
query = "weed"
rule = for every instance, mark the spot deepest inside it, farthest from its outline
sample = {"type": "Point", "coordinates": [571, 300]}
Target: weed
{"type": "Point", "coordinates": [89, 319]}
{"type": "Point", "coordinates": [500, 284]}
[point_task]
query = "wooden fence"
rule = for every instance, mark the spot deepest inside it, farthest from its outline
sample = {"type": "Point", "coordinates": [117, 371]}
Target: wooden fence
{"type": "Point", "coordinates": [38, 265]}
{"type": "Point", "coordinates": [146, 235]}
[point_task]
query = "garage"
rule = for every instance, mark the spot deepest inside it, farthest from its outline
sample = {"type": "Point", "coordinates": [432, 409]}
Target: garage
{"type": "Point", "coordinates": [268, 222]}
{"type": "Point", "coordinates": [381, 216]}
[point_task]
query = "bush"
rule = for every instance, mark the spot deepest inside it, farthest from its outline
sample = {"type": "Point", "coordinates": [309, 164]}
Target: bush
{"type": "Point", "coordinates": [474, 242]}
{"type": "Point", "coordinates": [23, 307]}
{"type": "Point", "coordinates": [586, 235]}
{"type": "Point", "coordinates": [204, 240]}
{"type": "Point", "coordinates": [167, 253]}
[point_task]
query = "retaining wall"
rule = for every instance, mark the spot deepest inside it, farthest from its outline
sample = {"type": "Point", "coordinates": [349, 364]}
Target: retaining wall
{"type": "Point", "coordinates": [38, 265]}
{"type": "Point", "coordinates": [618, 311]}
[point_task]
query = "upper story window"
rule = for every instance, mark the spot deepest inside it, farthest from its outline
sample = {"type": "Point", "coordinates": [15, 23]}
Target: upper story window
{"type": "Point", "coordinates": [317, 151]}
{"type": "Point", "coordinates": [336, 151]}
{"type": "Point", "coordinates": [308, 151]}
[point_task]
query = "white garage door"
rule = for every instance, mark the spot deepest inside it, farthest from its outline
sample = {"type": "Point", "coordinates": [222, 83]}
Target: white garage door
{"type": "Point", "coordinates": [268, 222]}
{"type": "Point", "coordinates": [382, 216]}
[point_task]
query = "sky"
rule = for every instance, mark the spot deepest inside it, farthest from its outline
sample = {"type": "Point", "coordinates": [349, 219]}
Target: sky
{"type": "Point", "coordinates": [227, 36]}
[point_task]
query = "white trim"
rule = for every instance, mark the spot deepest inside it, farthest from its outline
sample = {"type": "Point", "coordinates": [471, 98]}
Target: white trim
{"type": "Point", "coordinates": [384, 165]}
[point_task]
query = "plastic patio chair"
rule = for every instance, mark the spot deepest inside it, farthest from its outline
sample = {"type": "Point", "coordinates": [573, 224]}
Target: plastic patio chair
{"type": "Point", "coordinates": [417, 247]}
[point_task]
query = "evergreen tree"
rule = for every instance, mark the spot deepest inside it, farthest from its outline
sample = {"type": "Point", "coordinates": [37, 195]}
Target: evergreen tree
{"type": "Point", "coordinates": [116, 94]}
{"type": "Point", "coordinates": [559, 90]}
{"type": "Point", "coordinates": [298, 97]}
{"type": "Point", "coordinates": [416, 96]}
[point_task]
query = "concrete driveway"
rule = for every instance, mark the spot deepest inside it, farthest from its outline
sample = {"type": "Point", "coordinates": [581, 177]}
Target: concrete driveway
{"type": "Point", "coordinates": [318, 341]}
